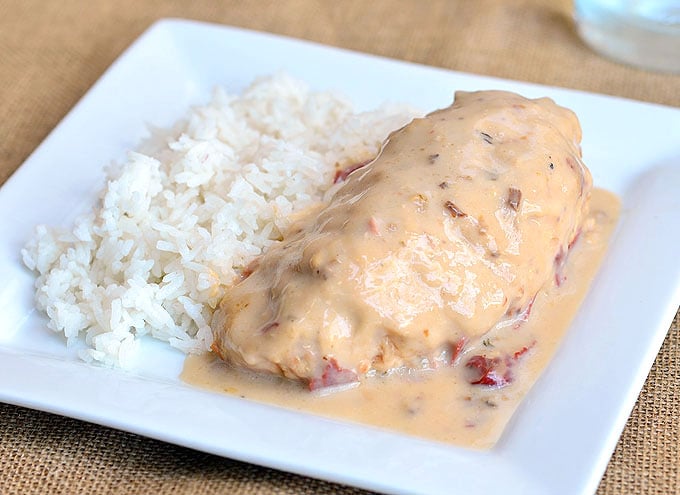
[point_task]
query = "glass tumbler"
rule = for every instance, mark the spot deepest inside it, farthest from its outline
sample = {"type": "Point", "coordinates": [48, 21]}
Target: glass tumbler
{"type": "Point", "coordinates": [643, 33]}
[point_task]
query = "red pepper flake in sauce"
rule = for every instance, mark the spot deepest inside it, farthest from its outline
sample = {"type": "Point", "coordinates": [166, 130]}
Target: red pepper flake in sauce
{"type": "Point", "coordinates": [521, 352]}
{"type": "Point", "coordinates": [524, 317]}
{"type": "Point", "coordinates": [489, 371]}
{"type": "Point", "coordinates": [497, 371]}
{"type": "Point", "coordinates": [560, 261]}
{"type": "Point", "coordinates": [269, 326]}
{"type": "Point", "coordinates": [341, 175]}
{"type": "Point", "coordinates": [575, 239]}
{"type": "Point", "coordinates": [333, 375]}
{"type": "Point", "coordinates": [250, 268]}
{"type": "Point", "coordinates": [457, 349]}
{"type": "Point", "coordinates": [444, 185]}
{"type": "Point", "coordinates": [454, 210]}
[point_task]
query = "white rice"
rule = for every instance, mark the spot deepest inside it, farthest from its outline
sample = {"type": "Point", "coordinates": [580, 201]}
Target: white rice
{"type": "Point", "coordinates": [179, 221]}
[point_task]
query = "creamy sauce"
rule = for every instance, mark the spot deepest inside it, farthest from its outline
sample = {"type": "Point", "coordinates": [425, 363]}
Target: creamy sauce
{"type": "Point", "coordinates": [441, 404]}
{"type": "Point", "coordinates": [449, 233]}
{"type": "Point", "coordinates": [432, 289]}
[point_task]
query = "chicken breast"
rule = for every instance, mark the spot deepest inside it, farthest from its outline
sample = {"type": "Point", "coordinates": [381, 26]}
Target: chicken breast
{"type": "Point", "coordinates": [451, 231]}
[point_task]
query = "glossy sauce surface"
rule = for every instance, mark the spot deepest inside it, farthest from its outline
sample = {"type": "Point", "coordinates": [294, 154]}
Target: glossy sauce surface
{"type": "Point", "coordinates": [449, 233]}
{"type": "Point", "coordinates": [441, 404]}
{"type": "Point", "coordinates": [436, 283]}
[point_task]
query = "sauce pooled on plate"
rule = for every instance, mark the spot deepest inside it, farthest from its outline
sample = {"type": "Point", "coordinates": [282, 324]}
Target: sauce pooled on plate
{"type": "Point", "coordinates": [425, 276]}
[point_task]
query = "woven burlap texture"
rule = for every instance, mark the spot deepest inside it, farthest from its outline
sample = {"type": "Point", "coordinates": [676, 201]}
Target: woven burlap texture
{"type": "Point", "coordinates": [52, 52]}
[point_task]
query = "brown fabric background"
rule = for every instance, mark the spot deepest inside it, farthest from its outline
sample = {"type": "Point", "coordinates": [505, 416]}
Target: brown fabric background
{"type": "Point", "coordinates": [52, 52]}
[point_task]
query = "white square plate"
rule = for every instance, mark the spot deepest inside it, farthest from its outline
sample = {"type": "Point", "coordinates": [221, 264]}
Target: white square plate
{"type": "Point", "coordinates": [561, 437]}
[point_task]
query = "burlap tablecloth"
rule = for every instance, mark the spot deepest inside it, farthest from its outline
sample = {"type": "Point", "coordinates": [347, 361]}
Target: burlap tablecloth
{"type": "Point", "coordinates": [52, 52]}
